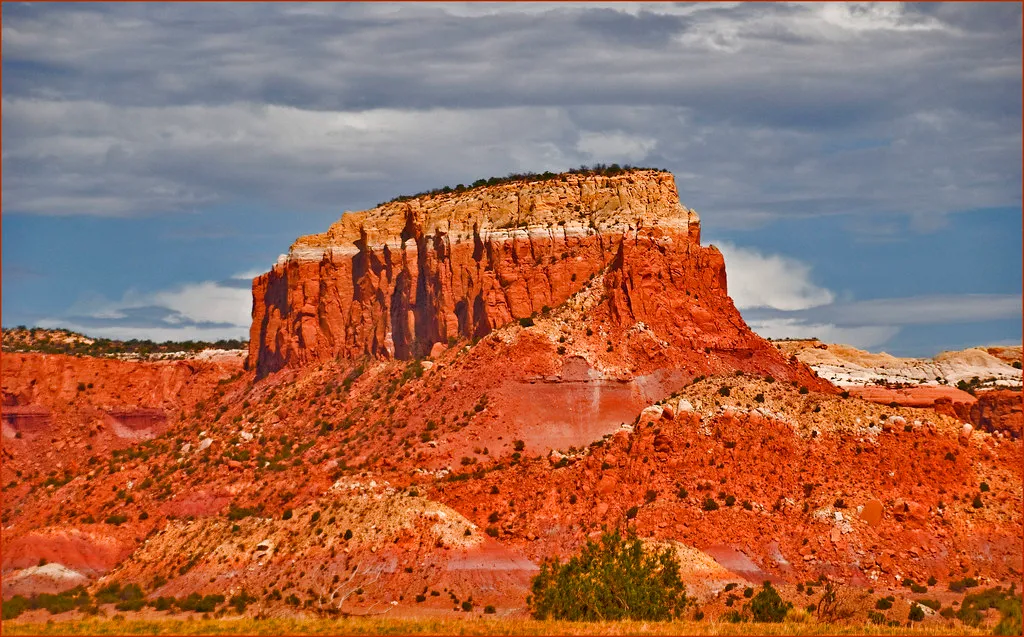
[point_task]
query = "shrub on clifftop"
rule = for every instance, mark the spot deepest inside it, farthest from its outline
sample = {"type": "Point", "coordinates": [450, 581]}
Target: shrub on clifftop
{"type": "Point", "coordinates": [613, 579]}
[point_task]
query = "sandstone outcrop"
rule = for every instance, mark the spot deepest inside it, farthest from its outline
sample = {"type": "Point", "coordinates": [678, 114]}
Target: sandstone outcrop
{"type": "Point", "coordinates": [994, 403]}
{"type": "Point", "coordinates": [392, 281]}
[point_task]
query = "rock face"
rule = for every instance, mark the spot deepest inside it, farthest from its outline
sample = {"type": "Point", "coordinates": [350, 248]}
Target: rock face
{"type": "Point", "coordinates": [392, 281]}
{"type": "Point", "coordinates": [996, 410]}
{"type": "Point", "coordinates": [58, 410]}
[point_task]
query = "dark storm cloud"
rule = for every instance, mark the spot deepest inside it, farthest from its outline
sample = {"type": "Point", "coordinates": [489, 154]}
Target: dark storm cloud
{"type": "Point", "coordinates": [142, 317]}
{"type": "Point", "coordinates": [760, 110]}
{"type": "Point", "coordinates": [920, 310]}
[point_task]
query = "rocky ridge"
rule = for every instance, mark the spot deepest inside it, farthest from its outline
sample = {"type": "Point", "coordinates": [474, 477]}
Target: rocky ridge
{"type": "Point", "coordinates": [978, 385]}
{"type": "Point", "coordinates": [395, 280]}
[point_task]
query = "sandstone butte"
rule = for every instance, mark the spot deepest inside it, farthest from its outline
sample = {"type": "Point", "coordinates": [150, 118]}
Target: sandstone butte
{"type": "Point", "coordinates": [398, 279]}
{"type": "Point", "coordinates": [440, 392]}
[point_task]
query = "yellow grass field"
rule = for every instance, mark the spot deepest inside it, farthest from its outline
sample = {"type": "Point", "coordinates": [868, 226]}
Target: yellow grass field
{"type": "Point", "coordinates": [480, 626]}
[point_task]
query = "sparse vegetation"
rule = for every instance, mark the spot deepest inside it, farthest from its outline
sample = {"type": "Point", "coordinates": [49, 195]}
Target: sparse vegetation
{"type": "Point", "coordinates": [455, 626]}
{"type": "Point", "coordinates": [596, 169]}
{"type": "Point", "coordinates": [960, 585]}
{"type": "Point", "coordinates": [61, 341]}
{"type": "Point", "coordinates": [768, 605]}
{"type": "Point", "coordinates": [613, 579]}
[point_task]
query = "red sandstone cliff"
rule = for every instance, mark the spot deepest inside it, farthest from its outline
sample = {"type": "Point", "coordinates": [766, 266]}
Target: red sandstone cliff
{"type": "Point", "coordinates": [395, 280]}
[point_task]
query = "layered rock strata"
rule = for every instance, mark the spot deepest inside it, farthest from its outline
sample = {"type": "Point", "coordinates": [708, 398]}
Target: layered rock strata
{"type": "Point", "coordinates": [393, 281]}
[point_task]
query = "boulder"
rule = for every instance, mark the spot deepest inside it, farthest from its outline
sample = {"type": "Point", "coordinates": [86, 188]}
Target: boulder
{"type": "Point", "coordinates": [872, 512]}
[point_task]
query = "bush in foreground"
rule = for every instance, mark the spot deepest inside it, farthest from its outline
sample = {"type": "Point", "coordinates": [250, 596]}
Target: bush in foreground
{"type": "Point", "coordinates": [613, 579]}
{"type": "Point", "coordinates": [767, 605]}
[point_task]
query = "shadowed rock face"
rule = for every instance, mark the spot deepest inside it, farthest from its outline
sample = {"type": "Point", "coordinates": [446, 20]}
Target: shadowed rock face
{"type": "Point", "coordinates": [393, 281]}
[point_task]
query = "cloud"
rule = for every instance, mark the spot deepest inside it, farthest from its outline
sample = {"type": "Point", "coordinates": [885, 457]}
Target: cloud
{"type": "Point", "coordinates": [873, 322]}
{"type": "Point", "coordinates": [204, 310]}
{"type": "Point", "coordinates": [248, 275]}
{"type": "Point", "coordinates": [208, 302]}
{"type": "Point", "coordinates": [156, 334]}
{"type": "Point", "coordinates": [892, 117]}
{"type": "Point", "coordinates": [863, 337]}
{"type": "Point", "coordinates": [926, 310]}
{"type": "Point", "coordinates": [614, 146]}
{"type": "Point", "coordinates": [780, 300]}
{"type": "Point", "coordinates": [770, 281]}
{"type": "Point", "coordinates": [330, 106]}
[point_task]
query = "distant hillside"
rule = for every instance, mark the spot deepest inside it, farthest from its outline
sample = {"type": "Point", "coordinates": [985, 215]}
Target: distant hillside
{"type": "Point", "coordinates": [61, 341]}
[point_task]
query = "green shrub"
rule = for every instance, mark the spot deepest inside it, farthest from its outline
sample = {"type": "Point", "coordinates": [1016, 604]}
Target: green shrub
{"type": "Point", "coordinates": [876, 617]}
{"type": "Point", "coordinates": [526, 321]}
{"type": "Point", "coordinates": [959, 586]}
{"type": "Point", "coordinates": [767, 605]}
{"type": "Point", "coordinates": [467, 606]}
{"type": "Point", "coordinates": [709, 505]}
{"type": "Point", "coordinates": [1010, 622]}
{"type": "Point", "coordinates": [239, 513]}
{"type": "Point", "coordinates": [240, 601]}
{"type": "Point", "coordinates": [133, 604]}
{"type": "Point", "coordinates": [1006, 602]}
{"type": "Point", "coordinates": [61, 602]}
{"type": "Point", "coordinates": [163, 604]}
{"type": "Point", "coordinates": [613, 579]}
{"type": "Point", "coordinates": [489, 610]}
{"type": "Point", "coordinates": [933, 604]}
{"type": "Point", "coordinates": [14, 607]}
{"type": "Point", "coordinates": [199, 603]}
{"type": "Point", "coordinates": [631, 512]}
{"type": "Point", "coordinates": [883, 604]}
{"type": "Point", "coordinates": [916, 613]}
{"type": "Point", "coordinates": [723, 390]}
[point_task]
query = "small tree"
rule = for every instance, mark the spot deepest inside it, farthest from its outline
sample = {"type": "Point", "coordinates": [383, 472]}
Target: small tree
{"type": "Point", "coordinates": [767, 605]}
{"type": "Point", "coordinates": [835, 605]}
{"type": "Point", "coordinates": [916, 613]}
{"type": "Point", "coordinates": [613, 579]}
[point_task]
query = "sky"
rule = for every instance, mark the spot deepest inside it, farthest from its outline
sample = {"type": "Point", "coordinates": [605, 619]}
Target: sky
{"type": "Point", "coordinates": [858, 165]}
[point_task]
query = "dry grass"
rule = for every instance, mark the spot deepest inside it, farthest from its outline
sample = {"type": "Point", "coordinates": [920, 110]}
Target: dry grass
{"type": "Point", "coordinates": [480, 626]}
